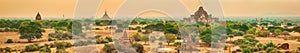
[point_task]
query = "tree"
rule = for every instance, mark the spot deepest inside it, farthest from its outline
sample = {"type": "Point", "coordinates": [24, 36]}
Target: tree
{"type": "Point", "coordinates": [9, 41]}
{"type": "Point", "coordinates": [251, 31]}
{"type": "Point", "coordinates": [145, 38]}
{"type": "Point", "coordinates": [296, 29]}
{"type": "Point", "coordinates": [269, 45]}
{"type": "Point", "coordinates": [238, 33]}
{"type": "Point", "coordinates": [109, 48]}
{"type": "Point", "coordinates": [246, 50]}
{"type": "Point", "coordinates": [177, 45]}
{"type": "Point", "coordinates": [138, 47]}
{"type": "Point", "coordinates": [289, 24]}
{"type": "Point", "coordinates": [160, 44]}
{"type": "Point", "coordinates": [134, 22]}
{"type": "Point", "coordinates": [30, 30]}
{"type": "Point", "coordinates": [278, 31]}
{"type": "Point", "coordinates": [61, 35]}
{"type": "Point", "coordinates": [100, 40]}
{"type": "Point", "coordinates": [108, 38]}
{"type": "Point", "coordinates": [45, 50]}
{"type": "Point", "coordinates": [32, 47]}
{"type": "Point", "coordinates": [61, 51]}
{"type": "Point", "coordinates": [171, 30]}
{"type": "Point", "coordinates": [262, 33]}
{"type": "Point", "coordinates": [206, 38]}
{"type": "Point", "coordinates": [7, 49]}
{"type": "Point", "coordinates": [170, 38]}
{"type": "Point", "coordinates": [62, 45]}
{"type": "Point", "coordinates": [137, 37]}
{"type": "Point", "coordinates": [249, 36]}
{"type": "Point", "coordinates": [143, 22]}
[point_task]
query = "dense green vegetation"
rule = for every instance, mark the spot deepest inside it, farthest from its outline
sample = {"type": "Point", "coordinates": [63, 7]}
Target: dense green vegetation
{"type": "Point", "coordinates": [31, 30]}
{"type": "Point", "coordinates": [71, 29]}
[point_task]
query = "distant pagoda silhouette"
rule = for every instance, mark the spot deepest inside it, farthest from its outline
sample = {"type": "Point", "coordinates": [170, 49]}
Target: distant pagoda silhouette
{"type": "Point", "coordinates": [38, 17]}
{"type": "Point", "coordinates": [201, 16]}
{"type": "Point", "coordinates": [105, 16]}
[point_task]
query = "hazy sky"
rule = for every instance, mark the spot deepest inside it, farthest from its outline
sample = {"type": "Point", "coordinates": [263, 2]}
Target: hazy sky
{"type": "Point", "coordinates": [58, 8]}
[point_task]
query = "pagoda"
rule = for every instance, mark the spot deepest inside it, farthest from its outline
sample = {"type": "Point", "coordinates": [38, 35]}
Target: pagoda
{"type": "Point", "coordinates": [105, 16]}
{"type": "Point", "coordinates": [38, 17]}
{"type": "Point", "coordinates": [125, 40]}
{"type": "Point", "coordinates": [201, 15]}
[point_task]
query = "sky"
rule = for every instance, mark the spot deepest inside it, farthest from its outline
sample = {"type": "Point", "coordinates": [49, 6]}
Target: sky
{"type": "Point", "coordinates": [60, 8]}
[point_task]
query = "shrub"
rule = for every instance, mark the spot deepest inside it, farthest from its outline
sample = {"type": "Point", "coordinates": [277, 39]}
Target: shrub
{"type": "Point", "coordinates": [139, 30]}
{"type": "Point", "coordinates": [7, 49]}
{"type": "Point", "coordinates": [82, 43]}
{"type": "Point", "coordinates": [268, 45]}
{"type": "Point", "coordinates": [45, 50]}
{"type": "Point", "coordinates": [61, 45]}
{"type": "Point", "coordinates": [97, 28]}
{"type": "Point", "coordinates": [9, 41]}
{"type": "Point", "coordinates": [239, 41]}
{"type": "Point", "coordinates": [109, 48]}
{"type": "Point", "coordinates": [109, 39]}
{"type": "Point", "coordinates": [61, 51]}
{"type": "Point", "coordinates": [246, 50]}
{"type": "Point", "coordinates": [98, 36]}
{"type": "Point", "coordinates": [271, 50]}
{"type": "Point", "coordinates": [225, 47]}
{"type": "Point", "coordinates": [50, 39]}
{"type": "Point", "coordinates": [137, 37]}
{"type": "Point", "coordinates": [7, 29]}
{"type": "Point", "coordinates": [32, 47]}
{"type": "Point", "coordinates": [138, 47]}
{"type": "Point", "coordinates": [61, 35]}
{"type": "Point", "coordinates": [249, 36]}
{"type": "Point", "coordinates": [100, 41]}
{"type": "Point", "coordinates": [177, 44]}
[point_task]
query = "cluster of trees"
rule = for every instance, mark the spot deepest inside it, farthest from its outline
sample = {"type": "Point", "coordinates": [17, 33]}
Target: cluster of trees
{"type": "Point", "coordinates": [143, 21]}
{"type": "Point", "coordinates": [61, 46]}
{"type": "Point", "coordinates": [249, 45]}
{"type": "Point", "coordinates": [100, 40]}
{"type": "Point", "coordinates": [60, 35]}
{"type": "Point", "coordinates": [32, 47]}
{"type": "Point", "coordinates": [83, 42]}
{"type": "Point", "coordinates": [139, 37]}
{"type": "Point", "coordinates": [99, 22]}
{"type": "Point", "coordinates": [8, 30]}
{"type": "Point", "coordinates": [31, 30]}
{"type": "Point", "coordinates": [167, 28]}
{"type": "Point", "coordinates": [6, 49]}
{"type": "Point", "coordinates": [7, 23]}
{"type": "Point", "coordinates": [110, 48]}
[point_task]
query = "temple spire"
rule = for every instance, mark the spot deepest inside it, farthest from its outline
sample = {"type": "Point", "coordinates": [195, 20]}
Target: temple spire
{"type": "Point", "coordinates": [38, 17]}
{"type": "Point", "coordinates": [105, 16]}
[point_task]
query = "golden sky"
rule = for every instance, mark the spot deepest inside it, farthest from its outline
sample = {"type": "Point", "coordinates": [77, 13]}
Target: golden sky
{"type": "Point", "coordinates": [58, 8]}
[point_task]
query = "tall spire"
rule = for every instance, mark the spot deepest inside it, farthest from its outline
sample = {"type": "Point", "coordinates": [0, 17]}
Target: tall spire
{"type": "Point", "coordinates": [106, 12]}
{"type": "Point", "coordinates": [105, 16]}
{"type": "Point", "coordinates": [38, 16]}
